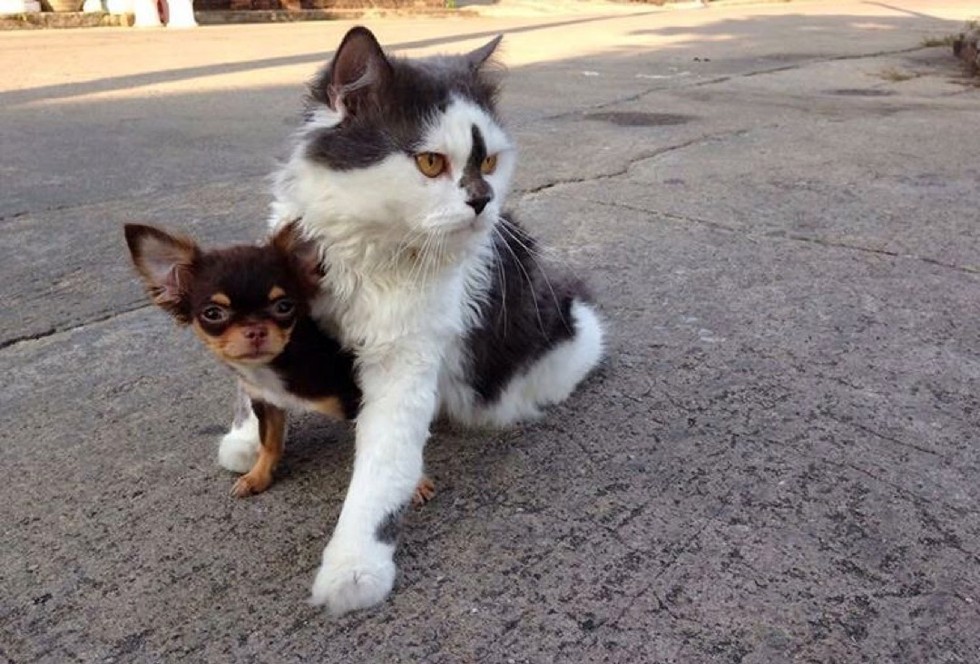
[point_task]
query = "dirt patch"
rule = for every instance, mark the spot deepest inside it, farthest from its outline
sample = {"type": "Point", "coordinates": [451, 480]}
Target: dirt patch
{"type": "Point", "coordinates": [862, 92]}
{"type": "Point", "coordinates": [637, 119]}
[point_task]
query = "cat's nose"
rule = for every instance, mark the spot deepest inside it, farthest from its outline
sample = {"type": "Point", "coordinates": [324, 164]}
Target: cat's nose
{"type": "Point", "coordinates": [478, 203]}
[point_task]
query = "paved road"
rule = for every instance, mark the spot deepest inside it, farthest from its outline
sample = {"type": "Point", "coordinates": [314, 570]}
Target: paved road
{"type": "Point", "coordinates": [778, 207]}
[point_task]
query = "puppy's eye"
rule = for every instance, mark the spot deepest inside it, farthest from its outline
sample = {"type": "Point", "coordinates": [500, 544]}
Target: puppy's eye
{"type": "Point", "coordinates": [214, 314]}
{"type": "Point", "coordinates": [283, 307]}
{"type": "Point", "coordinates": [431, 164]}
{"type": "Point", "coordinates": [489, 165]}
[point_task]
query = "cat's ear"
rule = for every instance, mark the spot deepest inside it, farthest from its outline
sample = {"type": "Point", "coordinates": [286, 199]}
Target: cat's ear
{"type": "Point", "coordinates": [358, 72]}
{"type": "Point", "coordinates": [303, 253]}
{"type": "Point", "coordinates": [165, 262]}
{"type": "Point", "coordinates": [477, 58]}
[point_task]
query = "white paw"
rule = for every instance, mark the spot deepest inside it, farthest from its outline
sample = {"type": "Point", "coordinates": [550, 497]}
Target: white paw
{"type": "Point", "coordinates": [352, 578]}
{"type": "Point", "coordinates": [240, 447]}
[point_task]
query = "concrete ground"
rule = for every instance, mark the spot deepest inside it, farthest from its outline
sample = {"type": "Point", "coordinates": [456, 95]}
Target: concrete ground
{"type": "Point", "coordinates": [777, 206]}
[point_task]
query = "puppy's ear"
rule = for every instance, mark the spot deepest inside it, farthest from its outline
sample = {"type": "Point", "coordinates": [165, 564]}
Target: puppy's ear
{"type": "Point", "coordinates": [303, 253]}
{"type": "Point", "coordinates": [166, 264]}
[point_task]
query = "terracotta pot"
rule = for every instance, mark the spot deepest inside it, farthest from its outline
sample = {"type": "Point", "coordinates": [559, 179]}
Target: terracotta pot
{"type": "Point", "coordinates": [62, 5]}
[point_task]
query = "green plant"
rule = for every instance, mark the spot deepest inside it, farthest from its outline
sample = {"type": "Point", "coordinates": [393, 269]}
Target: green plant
{"type": "Point", "coordinates": [931, 42]}
{"type": "Point", "coordinates": [896, 75]}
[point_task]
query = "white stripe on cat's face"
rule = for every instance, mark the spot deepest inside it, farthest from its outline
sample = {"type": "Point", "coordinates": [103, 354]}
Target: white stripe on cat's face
{"type": "Point", "coordinates": [392, 202]}
{"type": "Point", "coordinates": [445, 207]}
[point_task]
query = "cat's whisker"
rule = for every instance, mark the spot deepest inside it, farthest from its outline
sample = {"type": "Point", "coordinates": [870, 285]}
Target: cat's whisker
{"type": "Point", "coordinates": [402, 247]}
{"type": "Point", "coordinates": [498, 262]}
{"type": "Point", "coordinates": [547, 253]}
{"type": "Point", "coordinates": [440, 252]}
{"type": "Point", "coordinates": [541, 271]}
{"type": "Point", "coordinates": [417, 272]}
{"type": "Point", "coordinates": [429, 258]}
{"type": "Point", "coordinates": [530, 283]}
{"type": "Point", "coordinates": [406, 245]}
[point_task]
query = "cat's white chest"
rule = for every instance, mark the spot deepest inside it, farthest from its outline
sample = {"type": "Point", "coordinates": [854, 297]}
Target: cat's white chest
{"type": "Point", "coordinates": [384, 312]}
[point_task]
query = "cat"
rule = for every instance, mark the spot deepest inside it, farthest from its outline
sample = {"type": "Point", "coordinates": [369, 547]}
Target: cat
{"type": "Point", "coordinates": [400, 173]}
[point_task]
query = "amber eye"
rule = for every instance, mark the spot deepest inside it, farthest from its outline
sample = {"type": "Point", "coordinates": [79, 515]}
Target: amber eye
{"type": "Point", "coordinates": [214, 314]}
{"type": "Point", "coordinates": [489, 165]}
{"type": "Point", "coordinates": [432, 164]}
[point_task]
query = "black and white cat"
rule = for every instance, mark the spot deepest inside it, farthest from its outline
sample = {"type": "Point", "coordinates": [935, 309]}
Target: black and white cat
{"type": "Point", "coordinates": [400, 175]}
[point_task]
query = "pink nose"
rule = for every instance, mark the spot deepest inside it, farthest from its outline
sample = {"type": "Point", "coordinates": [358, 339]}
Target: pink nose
{"type": "Point", "coordinates": [256, 334]}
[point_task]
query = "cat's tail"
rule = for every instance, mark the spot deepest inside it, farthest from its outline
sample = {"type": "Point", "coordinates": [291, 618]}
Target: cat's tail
{"type": "Point", "coordinates": [555, 375]}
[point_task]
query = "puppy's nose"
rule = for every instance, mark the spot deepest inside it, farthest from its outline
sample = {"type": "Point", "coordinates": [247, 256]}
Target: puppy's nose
{"type": "Point", "coordinates": [256, 334]}
{"type": "Point", "coordinates": [478, 203]}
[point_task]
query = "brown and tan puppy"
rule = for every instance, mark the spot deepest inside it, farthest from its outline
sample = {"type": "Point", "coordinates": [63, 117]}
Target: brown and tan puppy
{"type": "Point", "coordinates": [250, 306]}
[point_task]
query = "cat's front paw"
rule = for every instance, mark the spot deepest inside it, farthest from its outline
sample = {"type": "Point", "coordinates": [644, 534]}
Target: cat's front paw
{"type": "Point", "coordinates": [353, 577]}
{"type": "Point", "coordinates": [239, 448]}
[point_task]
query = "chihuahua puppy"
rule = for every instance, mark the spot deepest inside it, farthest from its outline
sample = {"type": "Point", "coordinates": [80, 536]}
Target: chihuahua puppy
{"type": "Point", "coordinates": [250, 307]}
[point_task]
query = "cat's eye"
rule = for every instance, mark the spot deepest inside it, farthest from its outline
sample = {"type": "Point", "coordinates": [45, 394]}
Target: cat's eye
{"type": "Point", "coordinates": [283, 307]}
{"type": "Point", "coordinates": [431, 164]}
{"type": "Point", "coordinates": [489, 165]}
{"type": "Point", "coordinates": [214, 314]}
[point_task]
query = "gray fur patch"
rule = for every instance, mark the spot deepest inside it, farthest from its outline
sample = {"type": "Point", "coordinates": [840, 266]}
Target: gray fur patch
{"type": "Point", "coordinates": [478, 191]}
{"type": "Point", "coordinates": [390, 111]}
{"type": "Point", "coordinates": [388, 529]}
{"type": "Point", "coordinates": [524, 320]}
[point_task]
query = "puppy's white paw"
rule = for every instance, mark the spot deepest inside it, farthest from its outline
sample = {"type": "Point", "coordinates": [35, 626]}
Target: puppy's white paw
{"type": "Point", "coordinates": [240, 447]}
{"type": "Point", "coordinates": [353, 577]}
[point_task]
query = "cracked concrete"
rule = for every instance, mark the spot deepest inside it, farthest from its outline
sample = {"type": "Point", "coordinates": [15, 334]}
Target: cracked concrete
{"type": "Point", "coordinates": [776, 206]}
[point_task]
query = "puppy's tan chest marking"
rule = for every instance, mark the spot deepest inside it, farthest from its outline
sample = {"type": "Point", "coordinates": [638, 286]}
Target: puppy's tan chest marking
{"type": "Point", "coordinates": [330, 406]}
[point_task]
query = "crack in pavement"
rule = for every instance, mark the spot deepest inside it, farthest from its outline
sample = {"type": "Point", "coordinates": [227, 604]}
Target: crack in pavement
{"type": "Point", "coordinates": [916, 499]}
{"type": "Point", "coordinates": [908, 494]}
{"type": "Point", "coordinates": [707, 520]}
{"type": "Point", "coordinates": [54, 331]}
{"type": "Point", "coordinates": [869, 430]}
{"type": "Point", "coordinates": [645, 156]}
{"type": "Point", "coordinates": [884, 252]}
{"type": "Point", "coordinates": [781, 235]}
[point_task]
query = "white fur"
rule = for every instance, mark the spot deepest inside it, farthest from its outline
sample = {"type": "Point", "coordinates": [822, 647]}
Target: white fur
{"type": "Point", "coordinates": [263, 383]}
{"type": "Point", "coordinates": [349, 580]}
{"type": "Point", "coordinates": [549, 381]}
{"type": "Point", "coordinates": [239, 448]}
{"type": "Point", "coordinates": [408, 271]}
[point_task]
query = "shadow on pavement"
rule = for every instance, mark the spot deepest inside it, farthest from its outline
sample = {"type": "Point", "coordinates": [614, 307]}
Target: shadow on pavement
{"type": "Point", "coordinates": [775, 461]}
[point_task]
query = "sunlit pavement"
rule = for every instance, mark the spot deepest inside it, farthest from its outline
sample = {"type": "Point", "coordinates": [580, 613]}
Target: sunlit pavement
{"type": "Point", "coordinates": [776, 206]}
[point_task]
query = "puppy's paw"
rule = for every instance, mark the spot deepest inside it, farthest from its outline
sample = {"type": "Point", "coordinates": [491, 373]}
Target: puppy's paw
{"type": "Point", "coordinates": [424, 492]}
{"type": "Point", "coordinates": [251, 482]}
{"type": "Point", "coordinates": [239, 448]}
{"type": "Point", "coordinates": [353, 577]}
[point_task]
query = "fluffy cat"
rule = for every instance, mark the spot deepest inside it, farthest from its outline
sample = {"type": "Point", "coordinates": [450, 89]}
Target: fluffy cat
{"type": "Point", "coordinates": [400, 174]}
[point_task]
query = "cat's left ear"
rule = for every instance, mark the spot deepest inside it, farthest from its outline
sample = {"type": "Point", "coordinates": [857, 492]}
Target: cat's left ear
{"type": "Point", "coordinates": [477, 58]}
{"type": "Point", "coordinates": [358, 73]}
